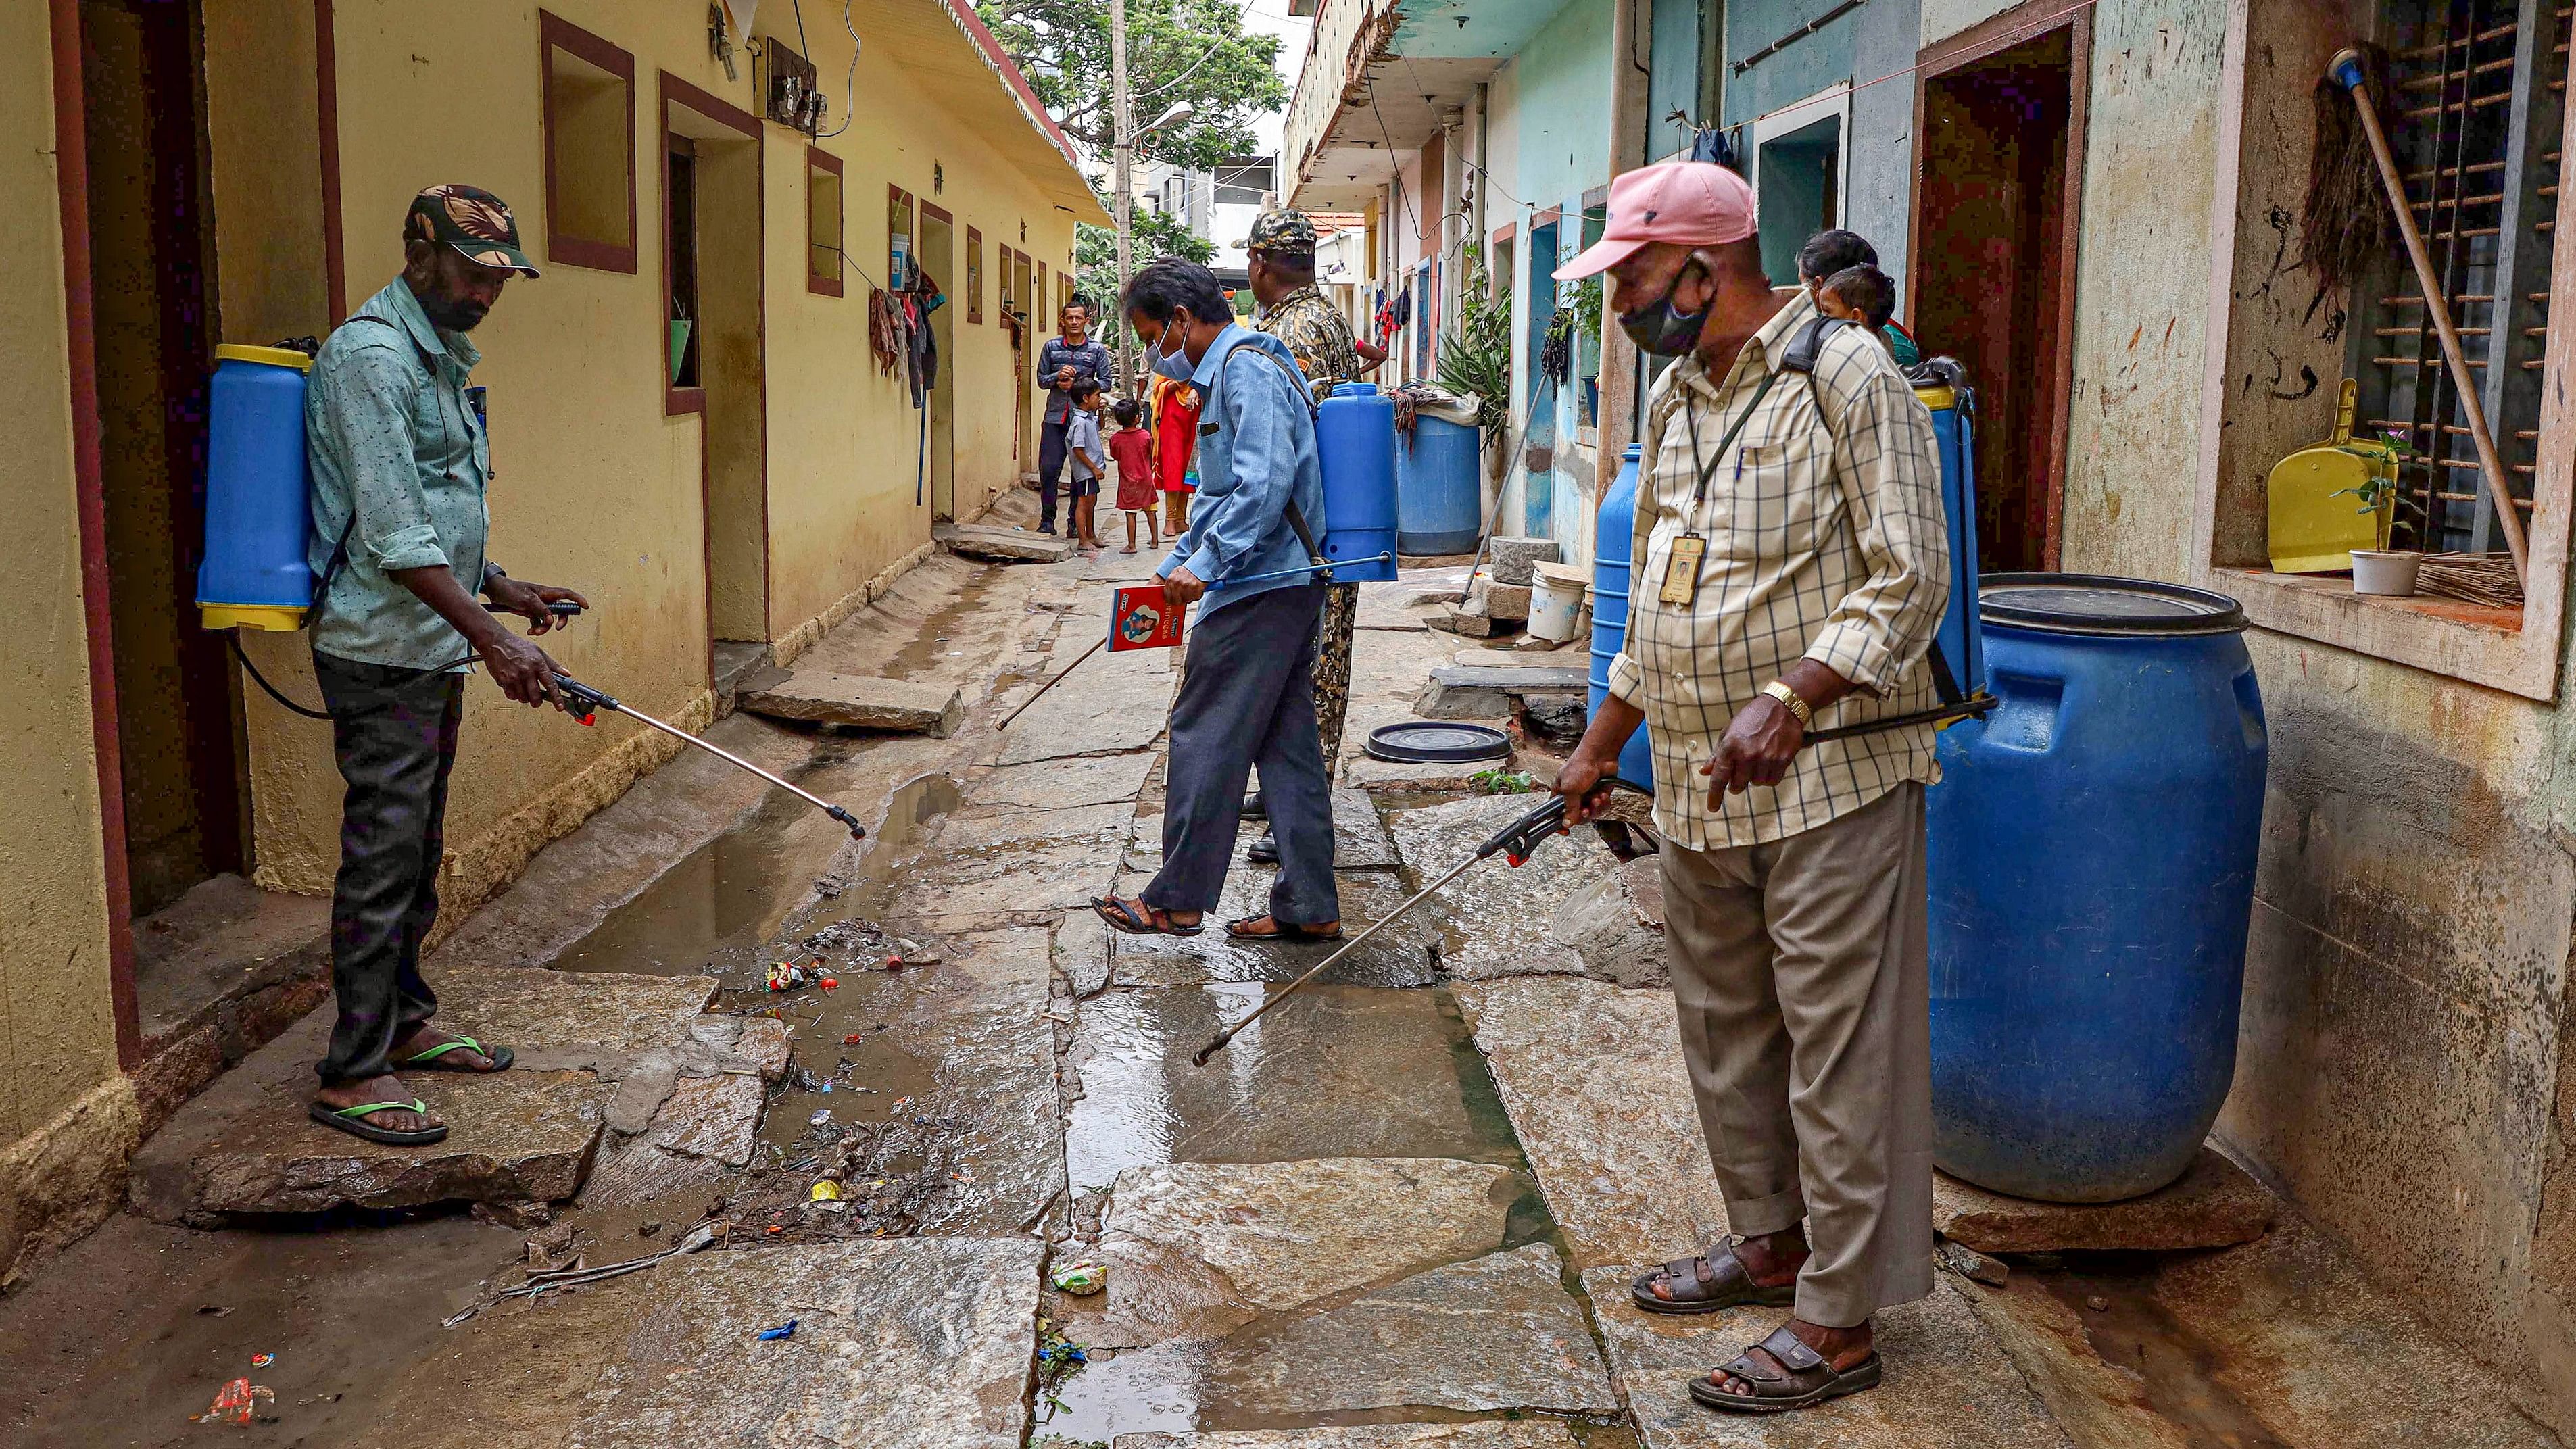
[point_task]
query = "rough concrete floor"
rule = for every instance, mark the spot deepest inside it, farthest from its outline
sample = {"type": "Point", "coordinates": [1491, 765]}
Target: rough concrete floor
{"type": "Point", "coordinates": [1402, 1210]}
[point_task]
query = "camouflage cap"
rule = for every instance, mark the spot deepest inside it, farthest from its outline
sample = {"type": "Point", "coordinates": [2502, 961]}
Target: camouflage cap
{"type": "Point", "coordinates": [1283, 230]}
{"type": "Point", "coordinates": [473, 221]}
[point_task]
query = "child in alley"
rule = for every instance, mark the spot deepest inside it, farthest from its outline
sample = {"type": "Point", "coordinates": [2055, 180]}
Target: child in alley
{"type": "Point", "coordinates": [1861, 294]}
{"type": "Point", "coordinates": [1133, 446]}
{"type": "Point", "coordinates": [1088, 463]}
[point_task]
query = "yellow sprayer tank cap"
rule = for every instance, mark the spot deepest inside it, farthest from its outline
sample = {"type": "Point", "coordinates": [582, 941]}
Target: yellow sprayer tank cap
{"type": "Point", "coordinates": [273, 356]}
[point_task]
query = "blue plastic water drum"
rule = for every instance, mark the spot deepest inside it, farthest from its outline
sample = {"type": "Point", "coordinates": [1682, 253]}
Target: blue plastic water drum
{"type": "Point", "coordinates": [2092, 846]}
{"type": "Point", "coordinates": [1610, 545]}
{"type": "Point", "coordinates": [255, 575]}
{"type": "Point", "coordinates": [1435, 488]}
{"type": "Point", "coordinates": [1355, 437]}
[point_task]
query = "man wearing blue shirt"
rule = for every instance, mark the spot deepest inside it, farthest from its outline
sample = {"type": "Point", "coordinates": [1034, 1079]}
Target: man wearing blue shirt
{"type": "Point", "coordinates": [1247, 691]}
{"type": "Point", "coordinates": [1068, 360]}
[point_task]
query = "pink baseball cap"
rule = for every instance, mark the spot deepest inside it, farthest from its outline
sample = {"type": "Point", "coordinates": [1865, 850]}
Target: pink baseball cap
{"type": "Point", "coordinates": [1690, 203]}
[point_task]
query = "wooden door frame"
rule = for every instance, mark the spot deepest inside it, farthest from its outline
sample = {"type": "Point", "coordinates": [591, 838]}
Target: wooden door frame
{"type": "Point", "coordinates": [923, 213]}
{"type": "Point", "coordinates": [2019, 25]}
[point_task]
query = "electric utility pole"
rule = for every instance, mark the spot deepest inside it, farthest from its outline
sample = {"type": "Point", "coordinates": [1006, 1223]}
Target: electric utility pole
{"type": "Point", "coordinates": [1122, 122]}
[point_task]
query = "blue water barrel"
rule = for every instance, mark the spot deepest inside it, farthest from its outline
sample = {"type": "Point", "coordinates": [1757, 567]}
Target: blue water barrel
{"type": "Point", "coordinates": [1610, 544]}
{"type": "Point", "coordinates": [1435, 488]}
{"type": "Point", "coordinates": [254, 575]}
{"type": "Point", "coordinates": [2092, 848]}
{"type": "Point", "coordinates": [1355, 436]}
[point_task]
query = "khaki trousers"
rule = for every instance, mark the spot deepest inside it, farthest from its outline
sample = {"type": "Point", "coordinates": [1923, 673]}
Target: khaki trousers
{"type": "Point", "coordinates": [1799, 973]}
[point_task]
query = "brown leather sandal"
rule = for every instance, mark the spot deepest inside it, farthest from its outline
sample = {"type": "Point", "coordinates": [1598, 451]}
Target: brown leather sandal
{"type": "Point", "coordinates": [1801, 1380]}
{"type": "Point", "coordinates": [1713, 1281]}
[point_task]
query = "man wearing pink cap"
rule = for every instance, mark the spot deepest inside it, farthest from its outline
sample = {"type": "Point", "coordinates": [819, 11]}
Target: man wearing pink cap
{"type": "Point", "coordinates": [1792, 565]}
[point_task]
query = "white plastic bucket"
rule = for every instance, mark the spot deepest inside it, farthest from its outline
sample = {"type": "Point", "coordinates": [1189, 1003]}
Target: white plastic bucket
{"type": "Point", "coordinates": [1556, 602]}
{"type": "Point", "coordinates": [2385, 571]}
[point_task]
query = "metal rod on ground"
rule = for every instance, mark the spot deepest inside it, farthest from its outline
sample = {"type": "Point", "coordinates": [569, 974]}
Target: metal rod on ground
{"type": "Point", "coordinates": [598, 700]}
{"type": "Point", "coordinates": [2347, 71]}
{"type": "Point", "coordinates": [1514, 842]}
{"type": "Point", "coordinates": [1095, 648]}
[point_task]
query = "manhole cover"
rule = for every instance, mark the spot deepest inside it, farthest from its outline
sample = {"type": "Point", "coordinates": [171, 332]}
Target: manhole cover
{"type": "Point", "coordinates": [1428, 742]}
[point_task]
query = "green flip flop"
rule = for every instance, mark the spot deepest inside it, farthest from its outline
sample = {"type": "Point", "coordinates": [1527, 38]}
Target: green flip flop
{"type": "Point", "coordinates": [430, 1060]}
{"type": "Point", "coordinates": [353, 1120]}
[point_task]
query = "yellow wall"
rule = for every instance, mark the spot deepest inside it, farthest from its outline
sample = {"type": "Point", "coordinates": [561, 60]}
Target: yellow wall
{"type": "Point", "coordinates": [593, 486]}
{"type": "Point", "coordinates": [57, 1036]}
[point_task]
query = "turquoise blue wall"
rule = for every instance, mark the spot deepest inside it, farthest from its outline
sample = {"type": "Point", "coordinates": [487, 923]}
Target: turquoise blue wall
{"type": "Point", "coordinates": [1673, 77]}
{"type": "Point", "coordinates": [1808, 65]}
{"type": "Point", "coordinates": [1565, 106]}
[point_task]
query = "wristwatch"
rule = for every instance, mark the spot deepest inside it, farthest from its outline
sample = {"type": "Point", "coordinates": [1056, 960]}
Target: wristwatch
{"type": "Point", "coordinates": [1779, 690]}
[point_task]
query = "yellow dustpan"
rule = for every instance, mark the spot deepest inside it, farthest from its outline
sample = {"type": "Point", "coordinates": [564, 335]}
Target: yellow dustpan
{"type": "Point", "coordinates": [2316, 521]}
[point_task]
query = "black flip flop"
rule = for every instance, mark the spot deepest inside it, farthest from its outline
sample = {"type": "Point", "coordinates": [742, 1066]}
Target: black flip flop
{"type": "Point", "coordinates": [435, 1059]}
{"type": "Point", "coordinates": [1122, 917]}
{"type": "Point", "coordinates": [1809, 1379]}
{"type": "Point", "coordinates": [352, 1120]}
{"type": "Point", "coordinates": [1286, 931]}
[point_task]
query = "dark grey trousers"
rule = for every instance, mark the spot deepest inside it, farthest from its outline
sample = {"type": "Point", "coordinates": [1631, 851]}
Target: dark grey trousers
{"type": "Point", "coordinates": [394, 735]}
{"type": "Point", "coordinates": [1248, 697]}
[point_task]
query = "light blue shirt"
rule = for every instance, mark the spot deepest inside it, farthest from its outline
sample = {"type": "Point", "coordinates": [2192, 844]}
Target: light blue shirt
{"type": "Point", "coordinates": [401, 445]}
{"type": "Point", "coordinates": [1082, 443]}
{"type": "Point", "coordinates": [1256, 453]}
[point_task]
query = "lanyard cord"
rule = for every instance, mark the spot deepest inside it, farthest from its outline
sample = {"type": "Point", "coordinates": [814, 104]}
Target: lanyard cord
{"type": "Point", "coordinates": [1708, 467]}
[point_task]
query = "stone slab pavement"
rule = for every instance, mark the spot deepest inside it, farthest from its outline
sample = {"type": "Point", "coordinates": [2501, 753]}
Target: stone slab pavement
{"type": "Point", "coordinates": [1524, 1434]}
{"type": "Point", "coordinates": [1594, 1081]}
{"type": "Point", "coordinates": [2215, 1204]}
{"type": "Point", "coordinates": [913, 1344]}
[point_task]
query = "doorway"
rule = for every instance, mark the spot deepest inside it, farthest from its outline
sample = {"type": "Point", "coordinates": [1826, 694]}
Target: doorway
{"type": "Point", "coordinates": [712, 230]}
{"type": "Point", "coordinates": [938, 247]}
{"type": "Point", "coordinates": [1992, 280]}
{"type": "Point", "coordinates": [1538, 432]}
{"type": "Point", "coordinates": [1798, 176]}
{"type": "Point", "coordinates": [151, 253]}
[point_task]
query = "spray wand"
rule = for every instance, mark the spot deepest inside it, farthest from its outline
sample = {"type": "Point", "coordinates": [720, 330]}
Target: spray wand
{"type": "Point", "coordinates": [593, 700]}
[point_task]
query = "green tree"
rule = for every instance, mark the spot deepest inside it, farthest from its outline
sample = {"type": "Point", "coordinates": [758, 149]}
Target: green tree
{"type": "Point", "coordinates": [1177, 50]}
{"type": "Point", "coordinates": [1095, 251]}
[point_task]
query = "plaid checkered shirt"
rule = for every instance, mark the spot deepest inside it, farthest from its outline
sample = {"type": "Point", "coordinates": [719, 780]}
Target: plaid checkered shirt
{"type": "Point", "coordinates": [1825, 541]}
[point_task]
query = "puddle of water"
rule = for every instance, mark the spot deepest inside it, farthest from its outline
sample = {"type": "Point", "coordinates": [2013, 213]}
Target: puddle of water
{"type": "Point", "coordinates": [941, 634]}
{"type": "Point", "coordinates": [2135, 1331]}
{"type": "Point", "coordinates": [719, 905]}
{"type": "Point", "coordinates": [1336, 1071]}
{"type": "Point", "coordinates": [909, 816]}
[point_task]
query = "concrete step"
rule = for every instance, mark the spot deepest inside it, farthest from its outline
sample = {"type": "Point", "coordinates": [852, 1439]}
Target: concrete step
{"type": "Point", "coordinates": [897, 705]}
{"type": "Point", "coordinates": [595, 1051]}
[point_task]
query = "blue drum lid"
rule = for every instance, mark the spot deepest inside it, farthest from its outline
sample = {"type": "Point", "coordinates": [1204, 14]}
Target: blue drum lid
{"type": "Point", "coordinates": [2099, 604]}
{"type": "Point", "coordinates": [1418, 742]}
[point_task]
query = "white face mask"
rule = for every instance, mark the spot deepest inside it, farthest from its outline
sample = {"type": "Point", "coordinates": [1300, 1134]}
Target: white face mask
{"type": "Point", "coordinates": [1171, 362]}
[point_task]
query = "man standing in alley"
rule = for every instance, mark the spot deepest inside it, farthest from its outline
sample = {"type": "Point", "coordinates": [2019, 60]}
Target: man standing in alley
{"type": "Point", "coordinates": [1066, 362]}
{"type": "Point", "coordinates": [1792, 567]}
{"type": "Point", "coordinates": [1247, 693]}
{"type": "Point", "coordinates": [1281, 252]}
{"type": "Point", "coordinates": [394, 434]}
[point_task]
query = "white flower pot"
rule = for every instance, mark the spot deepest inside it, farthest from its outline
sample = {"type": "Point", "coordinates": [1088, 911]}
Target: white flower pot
{"type": "Point", "coordinates": [2385, 571]}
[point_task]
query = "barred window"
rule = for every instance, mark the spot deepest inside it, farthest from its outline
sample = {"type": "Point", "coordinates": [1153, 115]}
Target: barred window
{"type": "Point", "coordinates": [2477, 91]}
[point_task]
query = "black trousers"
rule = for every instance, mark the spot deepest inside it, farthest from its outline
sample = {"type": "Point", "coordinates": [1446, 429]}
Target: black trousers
{"type": "Point", "coordinates": [394, 736]}
{"type": "Point", "coordinates": [1248, 697]}
{"type": "Point", "coordinates": [1050, 469]}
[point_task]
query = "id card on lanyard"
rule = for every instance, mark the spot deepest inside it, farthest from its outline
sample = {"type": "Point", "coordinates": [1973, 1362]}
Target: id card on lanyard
{"type": "Point", "coordinates": [1681, 564]}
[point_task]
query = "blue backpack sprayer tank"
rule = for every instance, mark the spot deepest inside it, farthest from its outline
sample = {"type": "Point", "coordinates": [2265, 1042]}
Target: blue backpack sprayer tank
{"type": "Point", "coordinates": [259, 515]}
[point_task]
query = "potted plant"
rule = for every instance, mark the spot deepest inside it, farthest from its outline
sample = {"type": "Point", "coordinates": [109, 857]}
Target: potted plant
{"type": "Point", "coordinates": [2384, 571]}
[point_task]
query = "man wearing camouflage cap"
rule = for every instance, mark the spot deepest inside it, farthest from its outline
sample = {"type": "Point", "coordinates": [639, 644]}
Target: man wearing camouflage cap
{"type": "Point", "coordinates": [394, 435]}
{"type": "Point", "coordinates": [1293, 309]}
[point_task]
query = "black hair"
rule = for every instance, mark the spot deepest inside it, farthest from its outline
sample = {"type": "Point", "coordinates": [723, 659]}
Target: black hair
{"type": "Point", "coordinates": [1125, 412]}
{"type": "Point", "coordinates": [1085, 390]}
{"type": "Point", "coordinates": [1167, 284]}
{"type": "Point", "coordinates": [1867, 288]}
{"type": "Point", "coordinates": [1083, 301]}
{"type": "Point", "coordinates": [1829, 252]}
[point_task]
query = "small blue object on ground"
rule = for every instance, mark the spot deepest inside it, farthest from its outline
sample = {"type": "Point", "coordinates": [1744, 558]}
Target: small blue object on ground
{"type": "Point", "coordinates": [784, 1330]}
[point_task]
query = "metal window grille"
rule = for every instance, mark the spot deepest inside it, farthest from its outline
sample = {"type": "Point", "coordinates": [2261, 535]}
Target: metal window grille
{"type": "Point", "coordinates": [2478, 87]}
{"type": "Point", "coordinates": [1242, 180]}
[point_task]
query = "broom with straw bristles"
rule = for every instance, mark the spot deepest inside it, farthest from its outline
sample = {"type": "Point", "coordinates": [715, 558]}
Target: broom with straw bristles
{"type": "Point", "coordinates": [2343, 231]}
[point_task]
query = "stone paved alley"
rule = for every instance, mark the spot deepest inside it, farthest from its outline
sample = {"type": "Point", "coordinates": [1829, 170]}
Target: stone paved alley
{"type": "Point", "coordinates": [1401, 1211]}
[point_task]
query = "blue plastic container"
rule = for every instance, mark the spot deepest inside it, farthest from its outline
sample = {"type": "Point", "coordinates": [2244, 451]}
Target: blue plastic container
{"type": "Point", "coordinates": [1610, 544]}
{"type": "Point", "coordinates": [1435, 488]}
{"type": "Point", "coordinates": [1355, 437]}
{"type": "Point", "coordinates": [1954, 431]}
{"type": "Point", "coordinates": [255, 575]}
{"type": "Point", "coordinates": [2092, 847]}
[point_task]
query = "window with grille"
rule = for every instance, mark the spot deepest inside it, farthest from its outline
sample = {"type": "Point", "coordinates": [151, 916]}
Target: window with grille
{"type": "Point", "coordinates": [2477, 90]}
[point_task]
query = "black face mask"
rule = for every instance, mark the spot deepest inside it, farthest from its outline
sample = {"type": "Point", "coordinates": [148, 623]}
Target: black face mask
{"type": "Point", "coordinates": [1659, 330]}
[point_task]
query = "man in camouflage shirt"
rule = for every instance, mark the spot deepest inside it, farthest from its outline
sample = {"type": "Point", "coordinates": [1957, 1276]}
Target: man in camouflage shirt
{"type": "Point", "coordinates": [1293, 309]}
